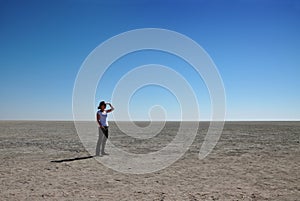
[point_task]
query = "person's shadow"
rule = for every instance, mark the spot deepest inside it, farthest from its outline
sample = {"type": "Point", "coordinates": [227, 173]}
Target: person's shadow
{"type": "Point", "coordinates": [71, 159]}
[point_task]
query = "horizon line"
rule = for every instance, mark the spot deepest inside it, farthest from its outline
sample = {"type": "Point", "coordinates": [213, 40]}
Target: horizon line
{"type": "Point", "coordinates": [226, 120]}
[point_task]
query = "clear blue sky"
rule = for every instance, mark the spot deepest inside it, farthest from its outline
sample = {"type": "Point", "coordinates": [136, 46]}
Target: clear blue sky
{"type": "Point", "coordinates": [255, 45]}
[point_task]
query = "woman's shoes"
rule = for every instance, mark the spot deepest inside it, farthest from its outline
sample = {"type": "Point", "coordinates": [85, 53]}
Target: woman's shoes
{"type": "Point", "coordinates": [103, 154]}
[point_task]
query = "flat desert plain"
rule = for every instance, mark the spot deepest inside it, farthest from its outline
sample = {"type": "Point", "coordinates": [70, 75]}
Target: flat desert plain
{"type": "Point", "coordinates": [45, 160]}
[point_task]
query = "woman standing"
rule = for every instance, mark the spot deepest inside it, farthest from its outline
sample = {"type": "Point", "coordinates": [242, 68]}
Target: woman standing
{"type": "Point", "coordinates": [103, 127]}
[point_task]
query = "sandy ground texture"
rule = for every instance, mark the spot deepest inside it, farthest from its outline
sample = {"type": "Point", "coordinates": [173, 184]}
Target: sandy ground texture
{"type": "Point", "coordinates": [252, 161]}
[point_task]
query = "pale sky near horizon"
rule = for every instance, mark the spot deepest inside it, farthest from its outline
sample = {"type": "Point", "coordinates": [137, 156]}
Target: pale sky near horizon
{"type": "Point", "coordinates": [254, 44]}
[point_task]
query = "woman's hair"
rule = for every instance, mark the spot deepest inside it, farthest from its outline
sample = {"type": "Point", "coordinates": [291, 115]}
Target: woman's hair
{"type": "Point", "coordinates": [101, 103]}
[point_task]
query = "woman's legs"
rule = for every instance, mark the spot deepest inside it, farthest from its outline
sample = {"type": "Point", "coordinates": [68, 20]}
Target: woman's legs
{"type": "Point", "coordinates": [104, 139]}
{"type": "Point", "coordinates": [100, 139]}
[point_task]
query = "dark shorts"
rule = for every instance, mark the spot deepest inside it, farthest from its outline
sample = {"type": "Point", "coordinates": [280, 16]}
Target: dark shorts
{"type": "Point", "coordinates": [105, 131]}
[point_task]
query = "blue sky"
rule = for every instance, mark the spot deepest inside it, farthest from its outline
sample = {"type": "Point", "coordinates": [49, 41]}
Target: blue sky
{"type": "Point", "coordinates": [254, 44]}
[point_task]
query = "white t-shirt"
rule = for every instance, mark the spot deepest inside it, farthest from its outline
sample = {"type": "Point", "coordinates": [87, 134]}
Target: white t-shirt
{"type": "Point", "coordinates": [103, 118]}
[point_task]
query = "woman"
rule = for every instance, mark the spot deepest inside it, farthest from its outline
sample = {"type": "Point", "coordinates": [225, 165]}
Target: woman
{"type": "Point", "coordinates": [103, 127]}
